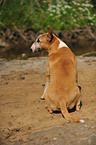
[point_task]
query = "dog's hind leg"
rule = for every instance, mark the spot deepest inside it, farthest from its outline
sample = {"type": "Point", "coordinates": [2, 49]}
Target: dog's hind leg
{"type": "Point", "coordinates": [78, 104]}
{"type": "Point", "coordinates": [76, 101]}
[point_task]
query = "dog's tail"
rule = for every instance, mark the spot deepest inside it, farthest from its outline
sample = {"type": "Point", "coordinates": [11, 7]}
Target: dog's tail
{"type": "Point", "coordinates": [65, 113]}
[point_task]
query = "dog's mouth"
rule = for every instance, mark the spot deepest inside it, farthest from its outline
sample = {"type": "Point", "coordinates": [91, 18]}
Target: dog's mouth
{"type": "Point", "coordinates": [38, 50]}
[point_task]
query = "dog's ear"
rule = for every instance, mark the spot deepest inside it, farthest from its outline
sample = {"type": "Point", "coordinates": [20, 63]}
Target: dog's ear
{"type": "Point", "coordinates": [50, 34]}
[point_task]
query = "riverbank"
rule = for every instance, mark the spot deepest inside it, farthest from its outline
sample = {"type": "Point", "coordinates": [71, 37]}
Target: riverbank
{"type": "Point", "coordinates": [14, 43]}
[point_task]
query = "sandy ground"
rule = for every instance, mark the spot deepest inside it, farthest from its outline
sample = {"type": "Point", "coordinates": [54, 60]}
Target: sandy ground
{"type": "Point", "coordinates": [23, 117]}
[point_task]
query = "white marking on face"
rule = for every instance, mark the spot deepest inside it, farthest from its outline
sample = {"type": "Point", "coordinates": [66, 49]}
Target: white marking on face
{"type": "Point", "coordinates": [61, 44]}
{"type": "Point", "coordinates": [33, 47]}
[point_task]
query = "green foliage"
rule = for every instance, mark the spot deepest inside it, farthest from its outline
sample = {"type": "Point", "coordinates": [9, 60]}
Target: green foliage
{"type": "Point", "coordinates": [38, 15]}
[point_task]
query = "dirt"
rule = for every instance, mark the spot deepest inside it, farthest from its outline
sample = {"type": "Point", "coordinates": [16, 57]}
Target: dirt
{"type": "Point", "coordinates": [23, 117]}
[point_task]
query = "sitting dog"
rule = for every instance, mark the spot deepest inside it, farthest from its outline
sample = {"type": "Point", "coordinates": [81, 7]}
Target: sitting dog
{"type": "Point", "coordinates": [61, 90]}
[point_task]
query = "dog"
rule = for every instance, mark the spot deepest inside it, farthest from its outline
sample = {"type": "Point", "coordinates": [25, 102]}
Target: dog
{"type": "Point", "coordinates": [61, 89]}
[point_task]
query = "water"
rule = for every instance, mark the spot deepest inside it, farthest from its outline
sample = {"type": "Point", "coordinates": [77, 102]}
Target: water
{"type": "Point", "coordinates": [83, 47]}
{"type": "Point", "coordinates": [78, 48]}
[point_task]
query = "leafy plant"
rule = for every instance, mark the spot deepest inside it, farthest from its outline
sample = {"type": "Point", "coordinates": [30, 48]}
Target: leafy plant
{"type": "Point", "coordinates": [38, 15]}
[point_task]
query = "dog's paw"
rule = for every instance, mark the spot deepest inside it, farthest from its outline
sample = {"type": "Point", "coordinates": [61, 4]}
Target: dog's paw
{"type": "Point", "coordinates": [42, 97]}
{"type": "Point", "coordinates": [68, 121]}
{"type": "Point", "coordinates": [78, 108]}
{"type": "Point", "coordinates": [49, 109]}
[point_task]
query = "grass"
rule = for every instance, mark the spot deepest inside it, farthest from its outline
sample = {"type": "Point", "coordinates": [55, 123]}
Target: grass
{"type": "Point", "coordinates": [38, 15]}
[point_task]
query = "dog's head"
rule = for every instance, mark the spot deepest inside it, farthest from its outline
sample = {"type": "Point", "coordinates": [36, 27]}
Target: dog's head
{"type": "Point", "coordinates": [43, 41]}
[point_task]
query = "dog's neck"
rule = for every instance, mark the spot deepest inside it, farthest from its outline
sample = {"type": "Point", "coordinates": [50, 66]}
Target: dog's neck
{"type": "Point", "coordinates": [56, 45]}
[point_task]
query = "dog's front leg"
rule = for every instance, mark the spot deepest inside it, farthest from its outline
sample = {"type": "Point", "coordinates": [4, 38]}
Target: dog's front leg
{"type": "Point", "coordinates": [47, 82]}
{"type": "Point", "coordinates": [46, 87]}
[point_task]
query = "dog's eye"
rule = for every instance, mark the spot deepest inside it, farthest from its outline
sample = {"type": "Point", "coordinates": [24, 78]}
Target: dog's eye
{"type": "Point", "coordinates": [38, 40]}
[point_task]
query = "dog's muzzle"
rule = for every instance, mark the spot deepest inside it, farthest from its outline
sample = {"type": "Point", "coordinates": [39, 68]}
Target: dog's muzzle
{"type": "Point", "coordinates": [35, 50]}
{"type": "Point", "coordinates": [39, 50]}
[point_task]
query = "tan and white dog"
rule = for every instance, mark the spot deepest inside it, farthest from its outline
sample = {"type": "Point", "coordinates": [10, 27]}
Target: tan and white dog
{"type": "Point", "coordinates": [61, 90]}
